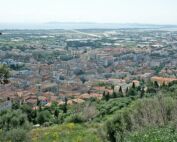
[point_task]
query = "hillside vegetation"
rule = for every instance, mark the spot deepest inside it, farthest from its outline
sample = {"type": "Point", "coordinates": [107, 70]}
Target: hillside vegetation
{"type": "Point", "coordinates": [137, 116]}
{"type": "Point", "coordinates": [69, 132]}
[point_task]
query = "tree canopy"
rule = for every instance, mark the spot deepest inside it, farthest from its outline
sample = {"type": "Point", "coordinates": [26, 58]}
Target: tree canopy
{"type": "Point", "coordinates": [4, 74]}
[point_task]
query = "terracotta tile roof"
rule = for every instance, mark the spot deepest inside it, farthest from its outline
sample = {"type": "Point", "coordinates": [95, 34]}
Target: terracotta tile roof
{"type": "Point", "coordinates": [162, 80]}
{"type": "Point", "coordinates": [78, 101]}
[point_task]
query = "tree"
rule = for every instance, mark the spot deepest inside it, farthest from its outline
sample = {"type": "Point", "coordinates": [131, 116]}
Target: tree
{"type": "Point", "coordinates": [127, 91]}
{"type": "Point", "coordinates": [149, 83]}
{"type": "Point", "coordinates": [104, 95]}
{"type": "Point", "coordinates": [156, 85]}
{"type": "Point", "coordinates": [142, 82]}
{"type": "Point", "coordinates": [142, 92]}
{"type": "Point", "coordinates": [107, 97]}
{"type": "Point", "coordinates": [44, 116]}
{"type": "Point", "coordinates": [4, 74]}
{"type": "Point", "coordinates": [121, 92]}
{"type": "Point", "coordinates": [133, 85]}
{"type": "Point", "coordinates": [83, 79]}
{"type": "Point", "coordinates": [65, 109]}
{"type": "Point", "coordinates": [28, 110]}
{"type": "Point", "coordinates": [151, 90]}
{"type": "Point", "coordinates": [88, 91]}
{"type": "Point", "coordinates": [78, 71]}
{"type": "Point", "coordinates": [15, 105]}
{"type": "Point", "coordinates": [114, 95]}
{"type": "Point", "coordinates": [132, 92]}
{"type": "Point", "coordinates": [111, 134]}
{"type": "Point", "coordinates": [115, 129]}
{"type": "Point", "coordinates": [120, 89]}
{"type": "Point", "coordinates": [53, 106]}
{"type": "Point", "coordinates": [112, 87]}
{"type": "Point", "coordinates": [13, 119]}
{"type": "Point", "coordinates": [31, 114]}
{"type": "Point", "coordinates": [56, 113]}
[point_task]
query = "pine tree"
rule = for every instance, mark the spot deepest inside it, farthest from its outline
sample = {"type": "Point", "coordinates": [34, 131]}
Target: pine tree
{"type": "Point", "coordinates": [114, 95]}
{"type": "Point", "coordinates": [120, 92]}
{"type": "Point", "coordinates": [126, 91]}
{"type": "Point", "coordinates": [133, 85]}
{"type": "Point", "coordinates": [104, 95]}
{"type": "Point", "coordinates": [65, 105]}
{"type": "Point", "coordinates": [156, 85]}
{"type": "Point", "coordinates": [107, 97]}
{"type": "Point", "coordinates": [56, 113]}
{"type": "Point", "coordinates": [120, 89]}
{"type": "Point", "coordinates": [112, 87]}
{"type": "Point", "coordinates": [142, 92]}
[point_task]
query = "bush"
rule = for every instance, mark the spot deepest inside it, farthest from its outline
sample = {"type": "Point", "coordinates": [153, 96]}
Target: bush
{"type": "Point", "coordinates": [43, 116]}
{"type": "Point", "coordinates": [14, 125]}
{"type": "Point", "coordinates": [157, 111]}
{"type": "Point", "coordinates": [89, 112]}
{"type": "Point", "coordinates": [13, 119]}
{"type": "Point", "coordinates": [132, 92]}
{"type": "Point", "coordinates": [164, 134]}
{"type": "Point", "coordinates": [17, 135]}
{"type": "Point", "coordinates": [75, 119]}
{"type": "Point", "coordinates": [106, 108]}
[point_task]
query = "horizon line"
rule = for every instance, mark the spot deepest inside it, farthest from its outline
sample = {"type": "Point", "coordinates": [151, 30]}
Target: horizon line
{"type": "Point", "coordinates": [91, 22]}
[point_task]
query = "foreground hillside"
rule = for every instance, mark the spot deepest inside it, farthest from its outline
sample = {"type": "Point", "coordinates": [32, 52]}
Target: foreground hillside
{"type": "Point", "coordinates": [65, 133]}
{"type": "Point", "coordinates": [77, 133]}
{"type": "Point", "coordinates": [145, 120]}
{"type": "Point", "coordinates": [138, 116]}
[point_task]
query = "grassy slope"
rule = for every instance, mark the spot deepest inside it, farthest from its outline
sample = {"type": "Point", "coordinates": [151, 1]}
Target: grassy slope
{"type": "Point", "coordinates": [69, 132]}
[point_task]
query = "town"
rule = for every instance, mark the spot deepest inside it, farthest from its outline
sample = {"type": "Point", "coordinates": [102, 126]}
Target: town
{"type": "Point", "coordinates": [50, 65]}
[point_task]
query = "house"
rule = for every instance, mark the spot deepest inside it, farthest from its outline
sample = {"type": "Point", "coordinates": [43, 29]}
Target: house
{"type": "Point", "coordinates": [78, 101]}
{"type": "Point", "coordinates": [162, 80]}
{"type": "Point", "coordinates": [136, 82]}
{"type": "Point", "coordinates": [43, 100]}
{"type": "Point", "coordinates": [50, 87]}
{"type": "Point", "coordinates": [32, 101]}
{"type": "Point", "coordinates": [91, 95]}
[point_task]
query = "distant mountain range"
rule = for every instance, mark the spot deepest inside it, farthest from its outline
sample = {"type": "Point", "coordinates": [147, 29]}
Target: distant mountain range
{"type": "Point", "coordinates": [81, 25]}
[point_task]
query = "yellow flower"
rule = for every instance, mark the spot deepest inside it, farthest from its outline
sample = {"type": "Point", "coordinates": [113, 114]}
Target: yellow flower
{"type": "Point", "coordinates": [70, 125]}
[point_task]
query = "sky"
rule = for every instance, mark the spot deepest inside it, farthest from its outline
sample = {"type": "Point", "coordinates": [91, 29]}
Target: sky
{"type": "Point", "coordinates": [101, 11]}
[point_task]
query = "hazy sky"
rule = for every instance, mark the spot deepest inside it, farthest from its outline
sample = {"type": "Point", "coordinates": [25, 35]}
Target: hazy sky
{"type": "Point", "coordinates": [117, 11]}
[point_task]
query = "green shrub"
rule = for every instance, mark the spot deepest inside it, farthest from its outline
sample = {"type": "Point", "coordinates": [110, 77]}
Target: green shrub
{"type": "Point", "coordinates": [148, 112]}
{"type": "Point", "coordinates": [43, 116]}
{"type": "Point", "coordinates": [13, 119]}
{"type": "Point", "coordinates": [106, 108]}
{"type": "Point", "coordinates": [17, 135]}
{"type": "Point", "coordinates": [76, 118]}
{"type": "Point", "coordinates": [164, 134]}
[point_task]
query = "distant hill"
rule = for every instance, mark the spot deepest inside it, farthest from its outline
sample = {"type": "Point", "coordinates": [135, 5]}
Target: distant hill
{"type": "Point", "coordinates": [82, 25]}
